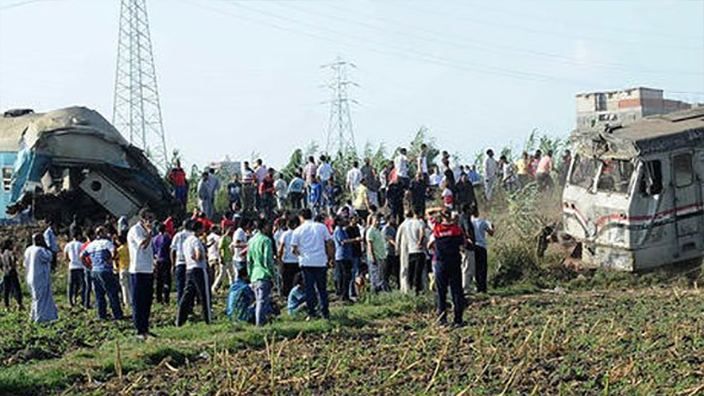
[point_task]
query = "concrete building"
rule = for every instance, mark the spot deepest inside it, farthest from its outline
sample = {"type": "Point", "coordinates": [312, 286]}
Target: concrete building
{"type": "Point", "coordinates": [623, 107]}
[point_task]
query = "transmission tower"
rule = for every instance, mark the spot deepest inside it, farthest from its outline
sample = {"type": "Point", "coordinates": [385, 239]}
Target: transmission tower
{"type": "Point", "coordinates": [340, 133]}
{"type": "Point", "coordinates": [136, 108]}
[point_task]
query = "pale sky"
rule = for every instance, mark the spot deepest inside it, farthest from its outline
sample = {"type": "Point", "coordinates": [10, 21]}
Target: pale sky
{"type": "Point", "coordinates": [243, 76]}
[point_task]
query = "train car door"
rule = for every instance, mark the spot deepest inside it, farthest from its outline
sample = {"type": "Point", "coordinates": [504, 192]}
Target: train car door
{"type": "Point", "coordinates": [687, 203]}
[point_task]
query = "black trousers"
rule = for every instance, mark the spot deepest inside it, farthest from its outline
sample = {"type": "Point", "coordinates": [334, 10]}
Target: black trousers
{"type": "Point", "coordinates": [163, 281]}
{"type": "Point", "coordinates": [392, 269]}
{"type": "Point", "coordinates": [449, 275]}
{"type": "Point", "coordinates": [288, 272]}
{"type": "Point", "coordinates": [196, 284]}
{"type": "Point", "coordinates": [343, 277]}
{"type": "Point", "coordinates": [481, 268]}
{"type": "Point", "coordinates": [416, 265]}
{"type": "Point", "coordinates": [76, 286]}
{"type": "Point", "coordinates": [11, 283]}
{"type": "Point", "coordinates": [142, 297]}
{"type": "Point", "coordinates": [180, 275]}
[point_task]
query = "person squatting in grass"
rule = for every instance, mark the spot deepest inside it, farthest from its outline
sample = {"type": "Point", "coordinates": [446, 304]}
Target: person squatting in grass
{"type": "Point", "coordinates": [196, 276]}
{"type": "Point", "coordinates": [297, 296]}
{"type": "Point", "coordinates": [139, 240]}
{"type": "Point", "coordinates": [241, 300]}
{"type": "Point", "coordinates": [100, 251]}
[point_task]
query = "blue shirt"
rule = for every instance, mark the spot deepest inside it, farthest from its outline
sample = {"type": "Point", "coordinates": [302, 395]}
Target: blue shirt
{"type": "Point", "coordinates": [100, 252]}
{"type": "Point", "coordinates": [296, 298]}
{"type": "Point", "coordinates": [240, 302]}
{"type": "Point", "coordinates": [50, 239]}
{"type": "Point", "coordinates": [296, 185]}
{"type": "Point", "coordinates": [343, 251]}
{"type": "Point", "coordinates": [316, 193]}
{"type": "Point", "coordinates": [474, 177]}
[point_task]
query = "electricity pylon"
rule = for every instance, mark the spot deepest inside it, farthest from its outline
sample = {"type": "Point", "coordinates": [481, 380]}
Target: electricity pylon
{"type": "Point", "coordinates": [340, 131]}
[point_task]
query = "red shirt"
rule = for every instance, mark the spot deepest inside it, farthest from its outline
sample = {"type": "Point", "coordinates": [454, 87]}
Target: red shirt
{"type": "Point", "coordinates": [170, 228]}
{"type": "Point", "coordinates": [267, 185]}
{"type": "Point", "coordinates": [225, 223]}
{"type": "Point", "coordinates": [177, 177]}
{"type": "Point", "coordinates": [207, 224]}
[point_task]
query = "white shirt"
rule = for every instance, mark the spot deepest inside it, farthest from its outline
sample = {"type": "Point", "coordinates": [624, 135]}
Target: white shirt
{"type": "Point", "coordinates": [260, 173]}
{"type": "Point", "coordinates": [491, 167]}
{"type": "Point", "coordinates": [141, 258]}
{"type": "Point", "coordinates": [424, 164]}
{"type": "Point", "coordinates": [238, 254]}
{"type": "Point", "coordinates": [213, 244]}
{"type": "Point", "coordinates": [177, 246]}
{"type": "Point", "coordinates": [354, 178]}
{"type": "Point", "coordinates": [435, 179]}
{"type": "Point", "coordinates": [401, 164]}
{"type": "Point", "coordinates": [310, 238]}
{"type": "Point", "coordinates": [415, 230]}
{"type": "Point", "coordinates": [481, 226]}
{"type": "Point", "coordinates": [280, 187]}
{"type": "Point", "coordinates": [73, 251]}
{"type": "Point", "coordinates": [325, 171]}
{"type": "Point", "coordinates": [190, 246]}
{"type": "Point", "coordinates": [285, 241]}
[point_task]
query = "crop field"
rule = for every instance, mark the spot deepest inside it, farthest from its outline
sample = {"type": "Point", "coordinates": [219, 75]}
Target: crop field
{"type": "Point", "coordinates": [603, 333]}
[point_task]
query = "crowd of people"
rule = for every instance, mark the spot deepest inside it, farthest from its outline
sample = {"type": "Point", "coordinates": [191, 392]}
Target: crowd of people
{"type": "Point", "coordinates": [277, 239]}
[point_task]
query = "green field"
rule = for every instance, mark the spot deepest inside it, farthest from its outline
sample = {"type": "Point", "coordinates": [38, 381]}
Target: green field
{"type": "Point", "coordinates": [599, 333]}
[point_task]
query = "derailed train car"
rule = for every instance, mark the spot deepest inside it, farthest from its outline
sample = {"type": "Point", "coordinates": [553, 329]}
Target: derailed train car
{"type": "Point", "coordinates": [633, 198]}
{"type": "Point", "coordinates": [73, 161]}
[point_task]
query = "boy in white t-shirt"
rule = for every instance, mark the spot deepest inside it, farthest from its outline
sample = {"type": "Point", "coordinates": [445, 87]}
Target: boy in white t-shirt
{"type": "Point", "coordinates": [76, 270]}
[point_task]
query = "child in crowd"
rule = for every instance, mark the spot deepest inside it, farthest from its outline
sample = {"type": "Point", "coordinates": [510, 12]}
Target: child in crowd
{"type": "Point", "coordinates": [297, 296]}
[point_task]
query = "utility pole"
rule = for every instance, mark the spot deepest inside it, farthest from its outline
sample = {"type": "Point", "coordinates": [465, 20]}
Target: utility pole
{"type": "Point", "coordinates": [340, 132]}
{"type": "Point", "coordinates": [136, 108]}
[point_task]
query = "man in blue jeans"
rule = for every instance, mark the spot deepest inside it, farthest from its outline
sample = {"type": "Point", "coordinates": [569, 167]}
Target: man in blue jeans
{"type": "Point", "coordinates": [312, 243]}
{"type": "Point", "coordinates": [100, 251]}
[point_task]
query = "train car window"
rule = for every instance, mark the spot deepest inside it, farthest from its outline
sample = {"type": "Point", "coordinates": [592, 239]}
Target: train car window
{"type": "Point", "coordinates": [682, 166]}
{"type": "Point", "coordinates": [651, 181]}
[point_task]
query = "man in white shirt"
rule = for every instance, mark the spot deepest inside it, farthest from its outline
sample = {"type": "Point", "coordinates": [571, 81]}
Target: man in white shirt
{"type": "Point", "coordinates": [76, 269]}
{"type": "Point", "coordinates": [139, 241]}
{"type": "Point", "coordinates": [401, 165]}
{"type": "Point", "coordinates": [212, 243]}
{"type": "Point", "coordinates": [196, 276]}
{"type": "Point", "coordinates": [281, 189]}
{"type": "Point", "coordinates": [413, 232]}
{"type": "Point", "coordinates": [491, 171]}
{"type": "Point", "coordinates": [179, 259]}
{"type": "Point", "coordinates": [422, 164]}
{"type": "Point", "coordinates": [354, 177]}
{"type": "Point", "coordinates": [324, 171]}
{"type": "Point", "coordinates": [239, 245]}
{"type": "Point", "coordinates": [312, 243]}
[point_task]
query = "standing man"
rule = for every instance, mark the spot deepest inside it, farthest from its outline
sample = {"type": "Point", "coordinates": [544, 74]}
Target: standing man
{"type": "Point", "coordinates": [76, 270]}
{"type": "Point", "coordinates": [139, 241]}
{"type": "Point", "coordinates": [419, 192]}
{"type": "Point", "coordinates": [447, 239]}
{"type": "Point", "coordinates": [239, 245]}
{"type": "Point", "coordinates": [324, 171]}
{"type": "Point", "coordinates": [226, 265]}
{"type": "Point", "coordinates": [267, 193]}
{"type": "Point", "coordinates": [161, 245]}
{"type": "Point", "coordinates": [10, 279]}
{"type": "Point", "coordinates": [213, 186]}
{"type": "Point", "coordinates": [401, 165]}
{"type": "Point", "coordinates": [212, 245]}
{"type": "Point", "coordinates": [37, 264]}
{"type": "Point", "coordinates": [491, 172]}
{"type": "Point", "coordinates": [376, 254]}
{"type": "Point", "coordinates": [51, 242]}
{"type": "Point", "coordinates": [542, 174]}
{"type": "Point", "coordinates": [343, 259]}
{"type": "Point", "coordinates": [296, 192]}
{"type": "Point", "coordinates": [354, 178]}
{"type": "Point", "coordinates": [280, 187]}
{"type": "Point", "coordinates": [289, 261]}
{"type": "Point", "coordinates": [100, 251]}
{"type": "Point", "coordinates": [260, 261]}
{"type": "Point", "coordinates": [422, 165]}
{"type": "Point", "coordinates": [177, 178]}
{"type": "Point", "coordinates": [204, 197]}
{"type": "Point", "coordinates": [410, 242]}
{"type": "Point", "coordinates": [178, 258]}
{"type": "Point", "coordinates": [369, 175]}
{"type": "Point", "coordinates": [196, 277]}
{"type": "Point", "coordinates": [481, 228]}
{"type": "Point", "coordinates": [312, 243]}
{"type": "Point", "coordinates": [392, 263]}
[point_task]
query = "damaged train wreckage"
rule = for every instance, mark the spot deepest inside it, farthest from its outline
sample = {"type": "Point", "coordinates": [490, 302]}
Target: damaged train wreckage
{"type": "Point", "coordinates": [634, 195]}
{"type": "Point", "coordinates": [74, 162]}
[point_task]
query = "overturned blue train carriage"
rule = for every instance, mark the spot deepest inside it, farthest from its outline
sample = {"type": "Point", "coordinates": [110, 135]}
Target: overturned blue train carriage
{"type": "Point", "coordinates": [74, 162]}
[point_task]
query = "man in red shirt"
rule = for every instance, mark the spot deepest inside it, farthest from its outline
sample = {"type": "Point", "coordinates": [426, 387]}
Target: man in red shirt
{"type": "Point", "coordinates": [177, 177]}
{"type": "Point", "coordinates": [266, 193]}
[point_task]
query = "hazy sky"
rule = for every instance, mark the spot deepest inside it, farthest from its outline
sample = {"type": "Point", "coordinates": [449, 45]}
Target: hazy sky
{"type": "Point", "coordinates": [244, 76]}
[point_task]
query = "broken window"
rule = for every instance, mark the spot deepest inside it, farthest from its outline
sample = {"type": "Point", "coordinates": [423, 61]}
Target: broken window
{"type": "Point", "coordinates": [651, 182]}
{"type": "Point", "coordinates": [6, 178]}
{"type": "Point", "coordinates": [615, 176]}
{"type": "Point", "coordinates": [583, 171]}
{"type": "Point", "coordinates": [600, 102]}
{"type": "Point", "coordinates": [682, 166]}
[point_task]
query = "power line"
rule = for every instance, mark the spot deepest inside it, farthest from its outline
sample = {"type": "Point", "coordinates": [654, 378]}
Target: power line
{"type": "Point", "coordinates": [340, 131]}
{"type": "Point", "coordinates": [492, 47]}
{"type": "Point", "coordinates": [136, 107]}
